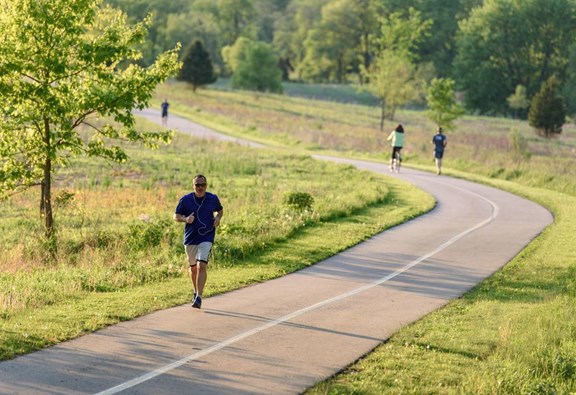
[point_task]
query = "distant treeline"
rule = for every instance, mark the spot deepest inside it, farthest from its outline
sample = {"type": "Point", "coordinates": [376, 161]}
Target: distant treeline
{"type": "Point", "coordinates": [498, 52]}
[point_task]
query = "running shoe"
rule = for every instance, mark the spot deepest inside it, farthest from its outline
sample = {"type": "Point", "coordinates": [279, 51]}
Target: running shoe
{"type": "Point", "coordinates": [197, 302]}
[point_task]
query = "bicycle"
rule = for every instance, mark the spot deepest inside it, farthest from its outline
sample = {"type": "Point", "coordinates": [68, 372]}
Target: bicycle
{"type": "Point", "coordinates": [396, 163]}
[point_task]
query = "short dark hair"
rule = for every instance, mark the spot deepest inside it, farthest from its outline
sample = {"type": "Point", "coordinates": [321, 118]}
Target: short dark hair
{"type": "Point", "coordinates": [200, 176]}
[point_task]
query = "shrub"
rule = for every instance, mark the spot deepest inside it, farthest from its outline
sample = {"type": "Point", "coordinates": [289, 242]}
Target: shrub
{"type": "Point", "coordinates": [144, 235]}
{"type": "Point", "coordinates": [300, 201]}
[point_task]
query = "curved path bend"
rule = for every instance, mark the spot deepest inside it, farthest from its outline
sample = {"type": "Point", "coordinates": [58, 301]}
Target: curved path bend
{"type": "Point", "coordinates": [285, 335]}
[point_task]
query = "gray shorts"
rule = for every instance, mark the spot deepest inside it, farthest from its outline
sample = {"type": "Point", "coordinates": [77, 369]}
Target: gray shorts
{"type": "Point", "coordinates": [198, 252]}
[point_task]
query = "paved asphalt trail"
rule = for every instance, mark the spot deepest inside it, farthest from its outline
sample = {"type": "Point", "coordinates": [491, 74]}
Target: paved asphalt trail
{"type": "Point", "coordinates": [283, 336]}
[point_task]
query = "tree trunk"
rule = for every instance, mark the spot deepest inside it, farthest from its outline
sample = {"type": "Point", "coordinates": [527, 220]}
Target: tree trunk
{"type": "Point", "coordinates": [46, 202]}
{"type": "Point", "coordinates": [382, 112]}
{"type": "Point", "coordinates": [42, 198]}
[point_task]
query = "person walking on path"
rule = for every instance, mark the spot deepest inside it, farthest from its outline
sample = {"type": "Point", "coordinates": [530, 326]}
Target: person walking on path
{"type": "Point", "coordinates": [197, 210]}
{"type": "Point", "coordinates": [397, 137]}
{"type": "Point", "coordinates": [165, 106]}
{"type": "Point", "coordinates": [439, 141]}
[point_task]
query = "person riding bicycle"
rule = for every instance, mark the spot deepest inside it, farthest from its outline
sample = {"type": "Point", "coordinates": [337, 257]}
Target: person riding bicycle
{"type": "Point", "coordinates": [397, 137]}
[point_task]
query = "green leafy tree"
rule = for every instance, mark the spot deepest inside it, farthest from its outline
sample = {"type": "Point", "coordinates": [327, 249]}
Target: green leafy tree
{"type": "Point", "coordinates": [67, 64]}
{"type": "Point", "coordinates": [518, 101]}
{"type": "Point", "coordinates": [506, 43]}
{"type": "Point", "coordinates": [268, 12]}
{"type": "Point", "coordinates": [392, 80]}
{"type": "Point", "coordinates": [439, 47]}
{"type": "Point", "coordinates": [197, 67]}
{"type": "Point", "coordinates": [569, 87]}
{"type": "Point", "coordinates": [256, 68]}
{"type": "Point", "coordinates": [189, 27]}
{"type": "Point", "coordinates": [402, 33]}
{"type": "Point", "coordinates": [330, 46]}
{"type": "Point", "coordinates": [339, 42]}
{"type": "Point", "coordinates": [547, 111]}
{"type": "Point", "coordinates": [163, 11]}
{"type": "Point", "coordinates": [443, 109]}
{"type": "Point", "coordinates": [290, 32]}
{"type": "Point", "coordinates": [392, 76]}
{"type": "Point", "coordinates": [236, 19]}
{"type": "Point", "coordinates": [233, 55]}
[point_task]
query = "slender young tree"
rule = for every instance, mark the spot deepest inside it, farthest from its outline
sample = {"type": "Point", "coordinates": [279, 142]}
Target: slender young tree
{"type": "Point", "coordinates": [392, 80]}
{"type": "Point", "coordinates": [67, 64]}
{"type": "Point", "coordinates": [443, 109]}
{"type": "Point", "coordinates": [518, 102]}
{"type": "Point", "coordinates": [197, 67]}
{"type": "Point", "coordinates": [392, 75]}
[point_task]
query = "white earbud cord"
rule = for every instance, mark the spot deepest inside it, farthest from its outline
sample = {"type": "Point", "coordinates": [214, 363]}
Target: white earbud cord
{"type": "Point", "coordinates": [204, 226]}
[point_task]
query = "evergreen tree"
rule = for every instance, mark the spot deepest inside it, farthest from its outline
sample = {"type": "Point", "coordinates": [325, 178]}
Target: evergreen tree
{"type": "Point", "coordinates": [197, 67]}
{"type": "Point", "coordinates": [547, 111]}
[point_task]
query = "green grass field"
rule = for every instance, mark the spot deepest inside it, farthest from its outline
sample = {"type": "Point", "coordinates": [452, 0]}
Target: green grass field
{"type": "Point", "coordinates": [514, 333]}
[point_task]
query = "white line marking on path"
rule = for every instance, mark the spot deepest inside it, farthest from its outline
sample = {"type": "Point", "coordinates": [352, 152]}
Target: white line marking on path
{"type": "Point", "coordinates": [232, 340]}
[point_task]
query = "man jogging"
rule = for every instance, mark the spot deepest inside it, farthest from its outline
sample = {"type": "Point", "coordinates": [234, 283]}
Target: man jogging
{"type": "Point", "coordinates": [197, 210]}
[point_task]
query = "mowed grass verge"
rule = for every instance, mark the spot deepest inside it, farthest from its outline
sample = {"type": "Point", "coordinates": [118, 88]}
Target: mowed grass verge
{"type": "Point", "coordinates": [515, 333]}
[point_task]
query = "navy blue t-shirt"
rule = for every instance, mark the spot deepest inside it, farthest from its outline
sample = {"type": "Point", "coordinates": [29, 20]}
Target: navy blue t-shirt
{"type": "Point", "coordinates": [202, 229]}
{"type": "Point", "coordinates": [439, 141]}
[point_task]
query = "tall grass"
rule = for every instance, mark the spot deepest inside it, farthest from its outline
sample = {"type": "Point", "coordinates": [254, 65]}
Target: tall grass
{"type": "Point", "coordinates": [118, 234]}
{"type": "Point", "coordinates": [479, 145]}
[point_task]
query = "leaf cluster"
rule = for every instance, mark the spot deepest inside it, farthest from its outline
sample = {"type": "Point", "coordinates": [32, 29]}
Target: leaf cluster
{"type": "Point", "coordinates": [66, 64]}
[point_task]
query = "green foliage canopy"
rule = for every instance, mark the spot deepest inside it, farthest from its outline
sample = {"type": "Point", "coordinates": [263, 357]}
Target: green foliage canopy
{"type": "Point", "coordinates": [334, 46]}
{"type": "Point", "coordinates": [255, 66]}
{"type": "Point", "coordinates": [506, 43]}
{"type": "Point", "coordinates": [66, 64]}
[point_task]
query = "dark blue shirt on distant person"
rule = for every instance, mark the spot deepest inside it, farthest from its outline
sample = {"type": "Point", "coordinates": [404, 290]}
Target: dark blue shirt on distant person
{"type": "Point", "coordinates": [439, 142]}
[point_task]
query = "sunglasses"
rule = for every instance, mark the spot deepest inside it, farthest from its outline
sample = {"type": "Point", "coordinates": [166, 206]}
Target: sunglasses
{"type": "Point", "coordinates": [200, 185]}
